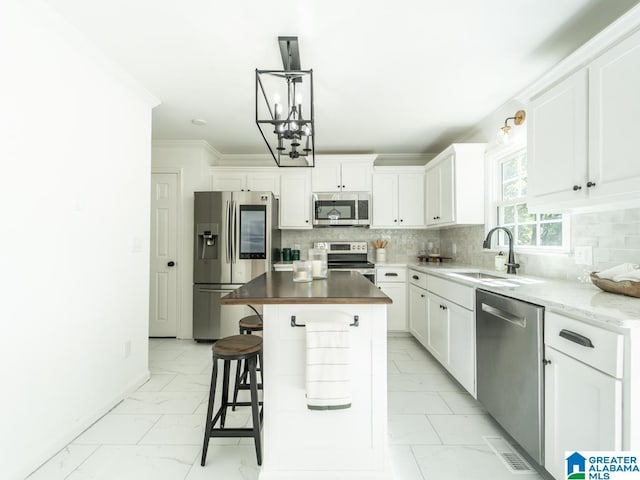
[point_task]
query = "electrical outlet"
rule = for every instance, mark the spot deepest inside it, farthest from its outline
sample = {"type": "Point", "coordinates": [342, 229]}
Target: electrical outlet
{"type": "Point", "coordinates": [583, 255]}
{"type": "Point", "coordinates": [127, 349]}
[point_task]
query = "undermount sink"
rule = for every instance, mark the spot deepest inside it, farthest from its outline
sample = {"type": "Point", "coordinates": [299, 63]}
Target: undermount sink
{"type": "Point", "coordinates": [480, 275]}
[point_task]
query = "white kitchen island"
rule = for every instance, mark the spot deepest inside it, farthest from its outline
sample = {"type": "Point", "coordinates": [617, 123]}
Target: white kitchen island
{"type": "Point", "coordinates": [303, 444]}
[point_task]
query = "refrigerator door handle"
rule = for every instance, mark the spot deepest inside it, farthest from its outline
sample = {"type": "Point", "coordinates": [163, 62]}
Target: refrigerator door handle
{"type": "Point", "coordinates": [228, 236]}
{"type": "Point", "coordinates": [234, 250]}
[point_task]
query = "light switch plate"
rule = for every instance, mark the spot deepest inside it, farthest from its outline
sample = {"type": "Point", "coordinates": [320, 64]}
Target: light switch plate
{"type": "Point", "coordinates": [583, 255]}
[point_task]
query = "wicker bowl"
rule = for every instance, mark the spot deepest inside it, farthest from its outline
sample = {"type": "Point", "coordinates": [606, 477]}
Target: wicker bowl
{"type": "Point", "coordinates": [626, 287]}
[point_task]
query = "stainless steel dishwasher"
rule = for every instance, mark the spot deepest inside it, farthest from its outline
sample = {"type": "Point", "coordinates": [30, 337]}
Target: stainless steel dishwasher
{"type": "Point", "coordinates": [509, 345]}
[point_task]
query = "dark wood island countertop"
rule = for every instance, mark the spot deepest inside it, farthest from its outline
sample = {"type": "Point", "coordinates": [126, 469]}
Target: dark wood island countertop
{"type": "Point", "coordinates": [279, 288]}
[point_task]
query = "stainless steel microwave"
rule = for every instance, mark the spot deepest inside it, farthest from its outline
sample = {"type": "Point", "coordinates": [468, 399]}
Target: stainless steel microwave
{"type": "Point", "coordinates": [342, 209]}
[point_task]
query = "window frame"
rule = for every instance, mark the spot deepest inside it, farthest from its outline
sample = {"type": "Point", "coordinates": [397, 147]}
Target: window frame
{"type": "Point", "coordinates": [493, 161]}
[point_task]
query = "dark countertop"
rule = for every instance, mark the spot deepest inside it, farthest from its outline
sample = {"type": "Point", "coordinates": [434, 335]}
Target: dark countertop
{"type": "Point", "coordinates": [279, 288]}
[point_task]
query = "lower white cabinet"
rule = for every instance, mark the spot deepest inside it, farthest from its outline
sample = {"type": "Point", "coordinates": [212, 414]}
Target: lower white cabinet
{"type": "Point", "coordinates": [392, 282]}
{"type": "Point", "coordinates": [451, 339]}
{"type": "Point", "coordinates": [438, 328]}
{"type": "Point", "coordinates": [583, 404]}
{"type": "Point", "coordinates": [418, 313]}
{"type": "Point", "coordinates": [441, 317]}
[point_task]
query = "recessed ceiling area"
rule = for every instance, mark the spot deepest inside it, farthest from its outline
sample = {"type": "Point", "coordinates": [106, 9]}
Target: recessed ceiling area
{"type": "Point", "coordinates": [408, 76]}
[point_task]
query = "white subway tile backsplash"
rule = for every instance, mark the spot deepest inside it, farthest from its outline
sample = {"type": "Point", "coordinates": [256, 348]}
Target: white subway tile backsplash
{"type": "Point", "coordinates": [614, 236]}
{"type": "Point", "coordinates": [403, 245]}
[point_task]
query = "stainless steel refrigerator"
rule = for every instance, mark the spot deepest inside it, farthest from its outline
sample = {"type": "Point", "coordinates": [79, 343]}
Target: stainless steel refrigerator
{"type": "Point", "coordinates": [236, 239]}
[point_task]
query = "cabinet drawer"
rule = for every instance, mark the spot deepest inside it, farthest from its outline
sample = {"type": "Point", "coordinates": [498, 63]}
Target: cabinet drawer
{"type": "Point", "coordinates": [452, 291]}
{"type": "Point", "coordinates": [418, 278]}
{"type": "Point", "coordinates": [391, 274]}
{"type": "Point", "coordinates": [566, 335]}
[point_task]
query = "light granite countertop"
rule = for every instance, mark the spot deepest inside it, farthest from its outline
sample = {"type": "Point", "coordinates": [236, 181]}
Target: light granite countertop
{"type": "Point", "coordinates": [583, 301]}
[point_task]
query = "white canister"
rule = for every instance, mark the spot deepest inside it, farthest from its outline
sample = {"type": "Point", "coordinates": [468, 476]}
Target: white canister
{"type": "Point", "coordinates": [318, 259]}
{"type": "Point", "coordinates": [302, 271]}
{"type": "Point", "coordinates": [500, 262]}
{"type": "Point", "coordinates": [381, 255]}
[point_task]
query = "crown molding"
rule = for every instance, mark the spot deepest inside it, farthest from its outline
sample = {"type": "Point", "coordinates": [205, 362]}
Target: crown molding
{"type": "Point", "coordinates": [617, 31]}
{"type": "Point", "coordinates": [245, 160]}
{"type": "Point", "coordinates": [187, 144]}
{"type": "Point", "coordinates": [403, 159]}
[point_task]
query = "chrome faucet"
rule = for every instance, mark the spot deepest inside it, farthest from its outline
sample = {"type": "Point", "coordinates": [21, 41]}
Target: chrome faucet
{"type": "Point", "coordinates": [511, 261]}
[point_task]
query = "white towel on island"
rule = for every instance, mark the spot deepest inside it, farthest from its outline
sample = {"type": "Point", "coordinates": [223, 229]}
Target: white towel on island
{"type": "Point", "coordinates": [328, 365]}
{"type": "Point", "coordinates": [621, 272]}
{"type": "Point", "coordinates": [632, 276]}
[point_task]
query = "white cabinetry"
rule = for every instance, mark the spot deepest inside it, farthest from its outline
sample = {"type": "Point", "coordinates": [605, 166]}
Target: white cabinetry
{"type": "Point", "coordinates": [342, 173]}
{"type": "Point", "coordinates": [582, 152]}
{"type": "Point", "coordinates": [557, 149]}
{"type": "Point", "coordinates": [441, 317]}
{"type": "Point", "coordinates": [254, 179]}
{"type": "Point", "coordinates": [393, 283]}
{"type": "Point", "coordinates": [418, 313]}
{"type": "Point", "coordinates": [295, 199]}
{"type": "Point", "coordinates": [398, 198]}
{"type": "Point", "coordinates": [438, 328]}
{"type": "Point", "coordinates": [583, 390]}
{"type": "Point", "coordinates": [455, 186]}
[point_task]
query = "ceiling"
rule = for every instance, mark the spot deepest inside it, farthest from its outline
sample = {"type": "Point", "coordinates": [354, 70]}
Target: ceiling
{"type": "Point", "coordinates": [408, 76]}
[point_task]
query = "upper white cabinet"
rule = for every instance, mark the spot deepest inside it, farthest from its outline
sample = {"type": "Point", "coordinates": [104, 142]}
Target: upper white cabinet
{"type": "Point", "coordinates": [398, 198]}
{"type": "Point", "coordinates": [557, 148]}
{"type": "Point", "coordinates": [295, 199]}
{"type": "Point", "coordinates": [614, 121]}
{"type": "Point", "coordinates": [582, 152]}
{"type": "Point", "coordinates": [342, 173]}
{"type": "Point", "coordinates": [455, 186]}
{"type": "Point", "coordinates": [249, 179]}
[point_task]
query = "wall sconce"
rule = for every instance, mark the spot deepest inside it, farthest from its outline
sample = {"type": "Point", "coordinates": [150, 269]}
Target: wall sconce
{"type": "Point", "coordinates": [504, 132]}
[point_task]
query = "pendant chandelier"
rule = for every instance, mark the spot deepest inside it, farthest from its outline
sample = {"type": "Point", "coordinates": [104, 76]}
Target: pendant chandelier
{"type": "Point", "coordinates": [284, 109]}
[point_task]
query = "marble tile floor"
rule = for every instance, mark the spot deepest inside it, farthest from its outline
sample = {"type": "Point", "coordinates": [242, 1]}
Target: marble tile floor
{"type": "Point", "coordinates": [435, 428]}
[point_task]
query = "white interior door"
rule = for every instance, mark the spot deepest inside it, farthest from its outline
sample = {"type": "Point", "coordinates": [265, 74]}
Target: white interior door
{"type": "Point", "coordinates": [163, 292]}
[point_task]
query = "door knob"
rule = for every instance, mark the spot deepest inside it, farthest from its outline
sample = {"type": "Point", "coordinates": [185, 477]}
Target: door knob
{"type": "Point", "coordinates": [171, 264]}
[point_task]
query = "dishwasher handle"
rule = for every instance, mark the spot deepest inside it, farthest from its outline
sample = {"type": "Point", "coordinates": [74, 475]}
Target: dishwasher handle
{"type": "Point", "coordinates": [506, 316]}
{"type": "Point", "coordinates": [576, 338]}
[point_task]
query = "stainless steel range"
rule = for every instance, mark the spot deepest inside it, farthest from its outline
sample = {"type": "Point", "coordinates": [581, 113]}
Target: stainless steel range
{"type": "Point", "coordinates": [349, 257]}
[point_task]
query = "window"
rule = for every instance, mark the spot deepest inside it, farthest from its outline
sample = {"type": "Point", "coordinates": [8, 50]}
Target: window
{"type": "Point", "coordinates": [540, 231]}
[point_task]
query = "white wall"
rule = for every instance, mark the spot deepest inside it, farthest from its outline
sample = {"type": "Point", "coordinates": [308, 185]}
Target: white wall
{"type": "Point", "coordinates": [74, 234]}
{"type": "Point", "coordinates": [192, 160]}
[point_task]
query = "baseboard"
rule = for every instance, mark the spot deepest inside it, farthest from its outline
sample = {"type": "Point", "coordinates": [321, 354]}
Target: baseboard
{"type": "Point", "coordinates": [66, 437]}
{"type": "Point", "coordinates": [398, 334]}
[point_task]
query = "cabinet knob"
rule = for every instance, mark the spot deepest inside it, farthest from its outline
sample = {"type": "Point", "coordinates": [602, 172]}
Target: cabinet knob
{"type": "Point", "coordinates": [171, 263]}
{"type": "Point", "coordinates": [395, 219]}
{"type": "Point", "coordinates": [306, 221]}
{"type": "Point", "coordinates": [546, 362]}
{"type": "Point", "coordinates": [415, 277]}
{"type": "Point", "coordinates": [591, 184]}
{"type": "Point", "coordinates": [343, 186]}
{"type": "Point", "coordinates": [401, 220]}
{"type": "Point", "coordinates": [338, 186]}
{"type": "Point", "coordinates": [422, 295]}
{"type": "Point", "coordinates": [577, 187]}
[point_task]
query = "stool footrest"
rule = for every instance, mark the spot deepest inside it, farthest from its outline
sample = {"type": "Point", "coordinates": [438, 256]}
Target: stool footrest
{"type": "Point", "coordinates": [246, 404]}
{"type": "Point", "coordinates": [247, 386]}
{"type": "Point", "coordinates": [231, 432]}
